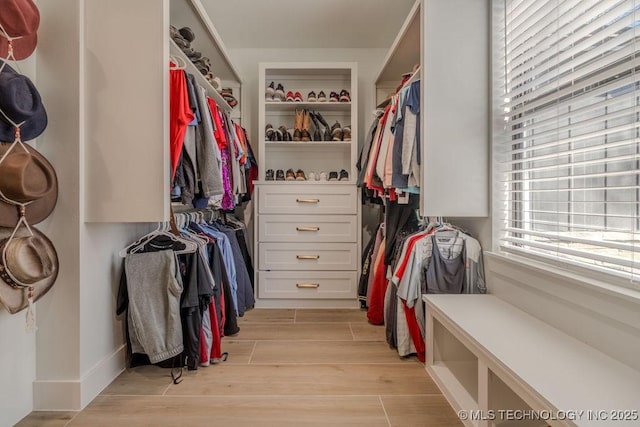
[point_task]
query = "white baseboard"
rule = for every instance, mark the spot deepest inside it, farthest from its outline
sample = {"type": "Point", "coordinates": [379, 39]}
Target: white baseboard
{"type": "Point", "coordinates": [75, 395]}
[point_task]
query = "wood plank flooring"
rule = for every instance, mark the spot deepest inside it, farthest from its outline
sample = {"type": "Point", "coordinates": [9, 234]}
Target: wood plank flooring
{"type": "Point", "coordinates": [285, 368]}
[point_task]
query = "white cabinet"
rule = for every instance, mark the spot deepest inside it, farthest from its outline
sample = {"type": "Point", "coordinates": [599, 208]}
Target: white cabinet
{"type": "Point", "coordinates": [307, 232]}
{"type": "Point", "coordinates": [125, 100]}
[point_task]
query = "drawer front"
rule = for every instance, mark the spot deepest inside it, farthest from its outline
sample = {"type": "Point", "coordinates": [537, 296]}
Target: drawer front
{"type": "Point", "coordinates": [308, 256]}
{"type": "Point", "coordinates": [308, 228]}
{"type": "Point", "coordinates": [307, 199]}
{"type": "Point", "coordinates": [307, 284]}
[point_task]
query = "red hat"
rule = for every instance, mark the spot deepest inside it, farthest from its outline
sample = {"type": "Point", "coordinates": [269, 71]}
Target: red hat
{"type": "Point", "coordinates": [20, 20]}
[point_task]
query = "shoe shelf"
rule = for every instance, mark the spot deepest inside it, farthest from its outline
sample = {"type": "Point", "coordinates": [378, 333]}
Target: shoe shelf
{"type": "Point", "coordinates": [307, 182]}
{"type": "Point", "coordinates": [321, 106]}
{"type": "Point", "coordinates": [307, 144]}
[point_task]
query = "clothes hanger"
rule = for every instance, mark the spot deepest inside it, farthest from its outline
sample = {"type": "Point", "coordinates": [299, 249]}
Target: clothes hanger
{"type": "Point", "coordinates": [180, 63]}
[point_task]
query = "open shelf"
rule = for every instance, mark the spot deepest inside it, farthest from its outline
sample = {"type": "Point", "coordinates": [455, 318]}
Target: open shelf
{"type": "Point", "coordinates": [502, 397]}
{"type": "Point", "coordinates": [291, 106]}
{"type": "Point", "coordinates": [308, 144]}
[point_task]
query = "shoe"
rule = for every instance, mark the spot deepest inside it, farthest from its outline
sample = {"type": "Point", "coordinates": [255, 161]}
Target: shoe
{"type": "Point", "coordinates": [227, 94]}
{"type": "Point", "coordinates": [346, 133]}
{"type": "Point", "coordinates": [344, 96]}
{"type": "Point", "coordinates": [312, 97]}
{"type": "Point", "coordinates": [269, 133]}
{"type": "Point", "coordinates": [322, 97]}
{"type": "Point", "coordinates": [327, 131]}
{"type": "Point", "coordinates": [300, 175]}
{"type": "Point", "coordinates": [297, 127]}
{"type": "Point", "coordinates": [297, 97]}
{"type": "Point", "coordinates": [311, 176]}
{"type": "Point", "coordinates": [286, 136]}
{"type": "Point", "coordinates": [270, 91]}
{"type": "Point", "coordinates": [290, 175]}
{"type": "Point", "coordinates": [317, 134]}
{"type": "Point", "coordinates": [344, 175]}
{"type": "Point", "coordinates": [279, 135]}
{"type": "Point", "coordinates": [279, 93]}
{"type": "Point", "coordinates": [306, 126]}
{"type": "Point", "coordinates": [269, 175]}
{"type": "Point", "coordinates": [187, 33]}
{"type": "Point", "coordinates": [336, 132]}
{"type": "Point", "coordinates": [333, 97]}
{"type": "Point", "coordinates": [333, 176]}
{"type": "Point", "coordinates": [322, 176]}
{"type": "Point", "coordinates": [290, 97]}
{"type": "Point", "coordinates": [279, 175]}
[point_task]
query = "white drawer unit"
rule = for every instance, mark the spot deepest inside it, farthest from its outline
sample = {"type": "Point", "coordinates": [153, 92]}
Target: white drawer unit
{"type": "Point", "coordinates": [308, 228]}
{"type": "Point", "coordinates": [307, 284]}
{"type": "Point", "coordinates": [305, 199]}
{"type": "Point", "coordinates": [308, 256]}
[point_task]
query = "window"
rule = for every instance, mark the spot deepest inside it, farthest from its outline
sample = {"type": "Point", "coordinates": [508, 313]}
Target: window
{"type": "Point", "coordinates": [567, 153]}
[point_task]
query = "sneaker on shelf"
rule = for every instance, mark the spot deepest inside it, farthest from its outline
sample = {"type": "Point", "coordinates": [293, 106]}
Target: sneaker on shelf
{"type": "Point", "coordinates": [322, 176]}
{"type": "Point", "coordinates": [333, 176]}
{"type": "Point", "coordinates": [336, 132]}
{"type": "Point", "coordinates": [322, 97]}
{"type": "Point", "coordinates": [344, 96]}
{"type": "Point", "coordinates": [290, 97]}
{"type": "Point", "coordinates": [291, 176]}
{"type": "Point", "coordinates": [279, 93]}
{"type": "Point", "coordinates": [300, 175]}
{"type": "Point", "coordinates": [346, 133]}
{"type": "Point", "coordinates": [227, 94]}
{"type": "Point", "coordinates": [187, 34]}
{"type": "Point", "coordinates": [312, 97]}
{"type": "Point", "coordinates": [344, 175]}
{"type": "Point", "coordinates": [269, 175]}
{"type": "Point", "coordinates": [312, 176]}
{"type": "Point", "coordinates": [333, 97]}
{"type": "Point", "coordinates": [286, 136]}
{"type": "Point", "coordinates": [297, 97]}
{"type": "Point", "coordinates": [279, 175]}
{"type": "Point", "coordinates": [269, 133]}
{"type": "Point", "coordinates": [270, 91]}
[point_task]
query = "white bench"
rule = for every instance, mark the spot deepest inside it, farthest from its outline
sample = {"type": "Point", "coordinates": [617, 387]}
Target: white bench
{"type": "Point", "coordinates": [488, 356]}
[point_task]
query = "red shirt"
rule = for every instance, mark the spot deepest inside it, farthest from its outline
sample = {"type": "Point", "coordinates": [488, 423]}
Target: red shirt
{"type": "Point", "coordinates": [180, 115]}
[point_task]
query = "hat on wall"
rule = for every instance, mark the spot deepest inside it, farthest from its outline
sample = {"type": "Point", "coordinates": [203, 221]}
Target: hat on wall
{"type": "Point", "coordinates": [29, 178]}
{"type": "Point", "coordinates": [20, 102]}
{"type": "Point", "coordinates": [20, 20]}
{"type": "Point", "coordinates": [26, 261]}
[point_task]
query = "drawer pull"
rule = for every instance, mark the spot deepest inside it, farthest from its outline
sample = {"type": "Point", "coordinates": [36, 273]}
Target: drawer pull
{"type": "Point", "coordinates": [308, 256]}
{"type": "Point", "coordinates": [308, 285]}
{"type": "Point", "coordinates": [308, 228]}
{"type": "Point", "coordinates": [308, 200]}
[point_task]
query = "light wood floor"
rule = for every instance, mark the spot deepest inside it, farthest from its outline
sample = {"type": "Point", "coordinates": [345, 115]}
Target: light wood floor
{"type": "Point", "coordinates": [285, 368]}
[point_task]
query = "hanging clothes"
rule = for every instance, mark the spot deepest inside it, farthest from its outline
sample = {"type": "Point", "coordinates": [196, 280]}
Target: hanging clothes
{"type": "Point", "coordinates": [180, 115]}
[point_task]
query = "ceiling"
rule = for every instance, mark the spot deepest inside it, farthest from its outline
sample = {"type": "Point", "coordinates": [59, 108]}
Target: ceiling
{"type": "Point", "coordinates": [308, 23]}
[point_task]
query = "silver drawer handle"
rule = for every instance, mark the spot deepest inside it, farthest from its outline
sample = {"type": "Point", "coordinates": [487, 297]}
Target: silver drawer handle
{"type": "Point", "coordinates": [308, 285]}
{"type": "Point", "coordinates": [308, 256]}
{"type": "Point", "coordinates": [308, 228]}
{"type": "Point", "coordinates": [308, 200]}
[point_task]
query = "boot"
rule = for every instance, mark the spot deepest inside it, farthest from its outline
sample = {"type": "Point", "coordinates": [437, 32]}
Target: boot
{"type": "Point", "coordinates": [306, 126]}
{"type": "Point", "coordinates": [327, 132]}
{"type": "Point", "coordinates": [317, 135]}
{"type": "Point", "coordinates": [297, 127]}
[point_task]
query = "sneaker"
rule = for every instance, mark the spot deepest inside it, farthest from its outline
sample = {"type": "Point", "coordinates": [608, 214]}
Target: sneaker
{"type": "Point", "coordinates": [279, 175]}
{"type": "Point", "coordinates": [336, 132]}
{"type": "Point", "coordinates": [333, 176]}
{"type": "Point", "coordinates": [187, 34]}
{"type": "Point", "coordinates": [269, 175]}
{"type": "Point", "coordinates": [290, 97]}
{"type": "Point", "coordinates": [279, 93]}
{"type": "Point", "coordinates": [344, 96]}
{"type": "Point", "coordinates": [297, 97]}
{"type": "Point", "coordinates": [333, 97]}
{"type": "Point", "coordinates": [322, 97]}
{"type": "Point", "coordinates": [346, 133]}
{"type": "Point", "coordinates": [300, 175]}
{"type": "Point", "coordinates": [322, 176]}
{"type": "Point", "coordinates": [270, 133]}
{"type": "Point", "coordinates": [344, 175]}
{"type": "Point", "coordinates": [311, 176]}
{"type": "Point", "coordinates": [270, 91]}
{"type": "Point", "coordinates": [286, 136]}
{"type": "Point", "coordinates": [312, 97]}
{"type": "Point", "coordinates": [290, 175]}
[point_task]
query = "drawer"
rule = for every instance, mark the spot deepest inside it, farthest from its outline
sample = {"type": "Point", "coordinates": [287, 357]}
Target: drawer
{"type": "Point", "coordinates": [308, 228]}
{"type": "Point", "coordinates": [307, 284]}
{"type": "Point", "coordinates": [308, 256]}
{"type": "Point", "coordinates": [308, 199]}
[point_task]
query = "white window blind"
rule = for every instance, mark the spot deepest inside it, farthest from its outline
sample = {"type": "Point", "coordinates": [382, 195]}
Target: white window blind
{"type": "Point", "coordinates": [567, 161]}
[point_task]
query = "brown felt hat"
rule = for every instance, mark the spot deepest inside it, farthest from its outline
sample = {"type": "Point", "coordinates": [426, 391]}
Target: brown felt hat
{"type": "Point", "coordinates": [27, 177]}
{"type": "Point", "coordinates": [20, 19]}
{"type": "Point", "coordinates": [25, 261]}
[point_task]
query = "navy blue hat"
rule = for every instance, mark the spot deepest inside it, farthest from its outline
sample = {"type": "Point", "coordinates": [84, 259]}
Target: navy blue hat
{"type": "Point", "coordinates": [20, 102]}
